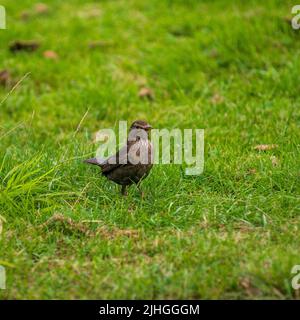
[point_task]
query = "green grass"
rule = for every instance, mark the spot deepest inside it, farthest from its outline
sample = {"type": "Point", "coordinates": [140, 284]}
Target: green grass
{"type": "Point", "coordinates": [232, 232]}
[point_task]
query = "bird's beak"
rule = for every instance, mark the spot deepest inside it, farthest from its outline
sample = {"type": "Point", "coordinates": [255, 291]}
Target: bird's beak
{"type": "Point", "coordinates": [148, 127]}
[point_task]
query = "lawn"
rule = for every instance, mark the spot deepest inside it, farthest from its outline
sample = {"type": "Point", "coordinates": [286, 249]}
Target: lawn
{"type": "Point", "coordinates": [228, 67]}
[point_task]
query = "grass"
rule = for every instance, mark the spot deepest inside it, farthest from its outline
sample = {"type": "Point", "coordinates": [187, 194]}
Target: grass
{"type": "Point", "coordinates": [230, 67]}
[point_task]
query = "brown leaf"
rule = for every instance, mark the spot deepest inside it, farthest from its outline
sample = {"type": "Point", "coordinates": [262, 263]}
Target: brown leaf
{"type": "Point", "coordinates": [275, 161]}
{"type": "Point", "coordinates": [49, 54]}
{"type": "Point", "coordinates": [41, 8]}
{"type": "Point", "coordinates": [5, 77]}
{"type": "Point", "coordinates": [100, 44]}
{"type": "Point", "coordinates": [252, 171]}
{"type": "Point", "coordinates": [90, 11]}
{"type": "Point", "coordinates": [247, 285]}
{"type": "Point", "coordinates": [265, 147]}
{"type": "Point", "coordinates": [146, 93]}
{"type": "Point", "coordinates": [217, 98]}
{"type": "Point", "coordinates": [20, 45]}
{"type": "Point", "coordinates": [25, 15]}
{"type": "Point", "coordinates": [38, 9]}
{"type": "Point", "coordinates": [94, 13]}
{"type": "Point", "coordinates": [213, 53]}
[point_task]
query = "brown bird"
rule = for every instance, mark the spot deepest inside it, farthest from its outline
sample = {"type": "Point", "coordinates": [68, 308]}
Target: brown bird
{"type": "Point", "coordinates": [133, 162]}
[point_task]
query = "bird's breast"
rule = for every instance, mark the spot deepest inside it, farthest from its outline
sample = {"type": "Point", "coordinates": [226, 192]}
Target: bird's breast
{"type": "Point", "coordinates": [141, 152]}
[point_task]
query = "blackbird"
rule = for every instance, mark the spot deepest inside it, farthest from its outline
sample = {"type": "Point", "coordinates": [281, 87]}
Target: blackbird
{"type": "Point", "coordinates": [133, 162]}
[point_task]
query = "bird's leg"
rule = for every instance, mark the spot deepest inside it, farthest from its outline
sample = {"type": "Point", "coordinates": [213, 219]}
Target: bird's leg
{"type": "Point", "coordinates": [140, 190]}
{"type": "Point", "coordinates": [124, 191]}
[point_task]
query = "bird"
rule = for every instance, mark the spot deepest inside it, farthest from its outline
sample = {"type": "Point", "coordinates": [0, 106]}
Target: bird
{"type": "Point", "coordinates": [133, 162]}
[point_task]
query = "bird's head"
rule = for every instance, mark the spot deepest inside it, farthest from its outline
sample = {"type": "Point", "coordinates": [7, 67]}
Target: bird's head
{"type": "Point", "coordinates": [141, 125]}
{"type": "Point", "coordinates": [139, 130]}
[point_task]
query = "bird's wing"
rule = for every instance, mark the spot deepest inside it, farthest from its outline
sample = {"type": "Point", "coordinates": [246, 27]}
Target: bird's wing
{"type": "Point", "coordinates": [113, 162]}
{"type": "Point", "coordinates": [117, 160]}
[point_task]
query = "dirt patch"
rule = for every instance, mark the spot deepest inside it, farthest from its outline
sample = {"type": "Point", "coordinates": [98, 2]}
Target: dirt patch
{"type": "Point", "coordinates": [68, 225]}
{"type": "Point", "coordinates": [112, 233]}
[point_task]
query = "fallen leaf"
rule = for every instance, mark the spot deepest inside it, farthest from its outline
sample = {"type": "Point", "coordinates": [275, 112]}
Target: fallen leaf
{"type": "Point", "coordinates": [89, 12]}
{"type": "Point", "coordinates": [265, 147]}
{"type": "Point", "coordinates": [252, 171]}
{"type": "Point", "coordinates": [213, 53]}
{"type": "Point", "coordinates": [5, 77]}
{"type": "Point", "coordinates": [49, 54]}
{"type": "Point", "coordinates": [41, 8]}
{"type": "Point", "coordinates": [252, 13]}
{"type": "Point", "coordinates": [38, 9]}
{"type": "Point", "coordinates": [275, 161]}
{"type": "Point", "coordinates": [100, 44]}
{"type": "Point", "coordinates": [20, 45]}
{"type": "Point", "coordinates": [25, 15]}
{"type": "Point", "coordinates": [217, 98]}
{"type": "Point", "coordinates": [247, 285]}
{"type": "Point", "coordinates": [93, 13]}
{"type": "Point", "coordinates": [146, 93]}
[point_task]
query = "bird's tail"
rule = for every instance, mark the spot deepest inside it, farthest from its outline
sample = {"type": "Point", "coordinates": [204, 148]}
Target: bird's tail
{"type": "Point", "coordinates": [93, 161]}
